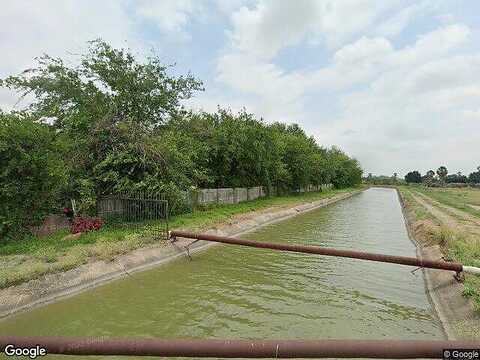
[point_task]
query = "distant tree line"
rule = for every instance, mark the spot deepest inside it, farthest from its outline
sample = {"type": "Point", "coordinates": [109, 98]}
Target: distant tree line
{"type": "Point", "coordinates": [114, 124]}
{"type": "Point", "coordinates": [441, 177]}
{"type": "Point", "coordinates": [383, 179]}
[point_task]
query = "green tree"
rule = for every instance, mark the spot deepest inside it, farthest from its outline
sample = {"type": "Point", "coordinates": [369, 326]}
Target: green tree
{"type": "Point", "coordinates": [299, 154]}
{"type": "Point", "coordinates": [32, 173]}
{"type": "Point", "coordinates": [442, 173]}
{"type": "Point", "coordinates": [109, 83]}
{"type": "Point", "coordinates": [428, 179]}
{"type": "Point", "coordinates": [458, 178]}
{"type": "Point", "coordinates": [346, 171]}
{"type": "Point", "coordinates": [413, 177]}
{"type": "Point", "coordinates": [105, 111]}
{"type": "Point", "coordinates": [241, 151]}
{"type": "Point", "coordinates": [474, 177]}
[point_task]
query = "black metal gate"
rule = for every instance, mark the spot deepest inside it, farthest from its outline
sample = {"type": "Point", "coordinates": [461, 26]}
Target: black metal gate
{"type": "Point", "coordinates": [144, 213]}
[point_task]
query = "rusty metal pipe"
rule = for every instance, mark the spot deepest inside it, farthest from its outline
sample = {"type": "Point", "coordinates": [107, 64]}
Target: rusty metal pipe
{"type": "Point", "coordinates": [403, 260]}
{"type": "Point", "coordinates": [391, 349]}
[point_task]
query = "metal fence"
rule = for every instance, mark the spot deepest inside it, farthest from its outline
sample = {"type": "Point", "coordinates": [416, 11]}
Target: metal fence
{"type": "Point", "coordinates": [149, 212]}
{"type": "Point", "coordinates": [146, 213]}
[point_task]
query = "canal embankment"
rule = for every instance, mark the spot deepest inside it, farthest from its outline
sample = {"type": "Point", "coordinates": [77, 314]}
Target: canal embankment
{"type": "Point", "coordinates": [54, 286]}
{"type": "Point", "coordinates": [437, 234]}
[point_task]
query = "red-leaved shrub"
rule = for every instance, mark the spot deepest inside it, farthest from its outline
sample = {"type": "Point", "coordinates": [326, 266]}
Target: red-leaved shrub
{"type": "Point", "coordinates": [83, 224]}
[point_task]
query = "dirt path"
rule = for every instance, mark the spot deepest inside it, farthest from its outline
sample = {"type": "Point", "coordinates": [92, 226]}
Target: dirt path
{"type": "Point", "coordinates": [448, 215]}
{"type": "Point", "coordinates": [438, 214]}
{"type": "Point", "coordinates": [474, 207]}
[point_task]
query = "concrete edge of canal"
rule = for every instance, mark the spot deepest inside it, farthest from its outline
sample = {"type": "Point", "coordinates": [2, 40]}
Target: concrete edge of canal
{"type": "Point", "coordinates": [53, 287]}
{"type": "Point", "coordinates": [454, 311]}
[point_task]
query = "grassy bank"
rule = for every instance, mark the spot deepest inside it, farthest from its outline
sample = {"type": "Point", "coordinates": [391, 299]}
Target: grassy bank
{"type": "Point", "coordinates": [33, 257]}
{"type": "Point", "coordinates": [465, 199]}
{"type": "Point", "coordinates": [459, 243]}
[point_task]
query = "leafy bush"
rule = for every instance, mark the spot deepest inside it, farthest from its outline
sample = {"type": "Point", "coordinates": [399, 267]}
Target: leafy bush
{"type": "Point", "coordinates": [83, 224]}
{"type": "Point", "coordinates": [32, 174]}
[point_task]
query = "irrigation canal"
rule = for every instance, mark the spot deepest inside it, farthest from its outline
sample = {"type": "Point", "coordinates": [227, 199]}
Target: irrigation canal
{"type": "Point", "coordinates": [241, 293]}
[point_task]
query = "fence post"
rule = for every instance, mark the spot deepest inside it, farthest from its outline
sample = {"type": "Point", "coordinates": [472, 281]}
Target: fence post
{"type": "Point", "coordinates": [166, 219]}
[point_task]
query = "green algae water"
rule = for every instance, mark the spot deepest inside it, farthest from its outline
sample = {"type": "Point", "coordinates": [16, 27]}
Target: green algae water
{"type": "Point", "coordinates": [237, 292]}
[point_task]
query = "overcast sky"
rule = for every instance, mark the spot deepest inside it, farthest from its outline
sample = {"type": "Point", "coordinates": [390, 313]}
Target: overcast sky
{"type": "Point", "coordinates": [395, 84]}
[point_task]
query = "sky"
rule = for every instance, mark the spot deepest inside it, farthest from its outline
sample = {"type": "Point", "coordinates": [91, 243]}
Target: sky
{"type": "Point", "coordinates": [394, 83]}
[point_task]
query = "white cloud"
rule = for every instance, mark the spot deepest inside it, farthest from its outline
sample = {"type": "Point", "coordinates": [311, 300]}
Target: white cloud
{"type": "Point", "coordinates": [433, 44]}
{"type": "Point", "coordinates": [363, 51]}
{"type": "Point", "coordinates": [228, 7]}
{"type": "Point", "coordinates": [276, 93]}
{"type": "Point", "coordinates": [272, 25]}
{"type": "Point", "coordinates": [170, 16]}
{"type": "Point", "coordinates": [281, 93]}
{"type": "Point", "coordinates": [352, 64]}
{"type": "Point", "coordinates": [401, 19]}
{"type": "Point", "coordinates": [414, 117]}
{"type": "Point", "coordinates": [444, 74]}
{"type": "Point", "coordinates": [30, 29]}
{"type": "Point", "coordinates": [369, 58]}
{"type": "Point", "coordinates": [260, 32]}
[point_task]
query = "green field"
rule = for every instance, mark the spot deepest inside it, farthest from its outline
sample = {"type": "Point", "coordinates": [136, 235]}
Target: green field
{"type": "Point", "coordinates": [466, 199]}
